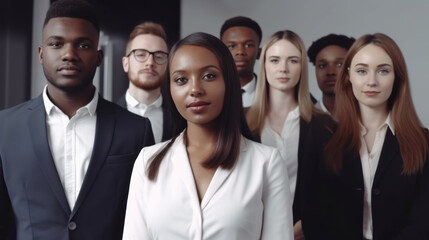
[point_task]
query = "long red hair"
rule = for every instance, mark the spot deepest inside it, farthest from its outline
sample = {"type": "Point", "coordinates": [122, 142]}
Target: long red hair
{"type": "Point", "coordinates": [409, 131]}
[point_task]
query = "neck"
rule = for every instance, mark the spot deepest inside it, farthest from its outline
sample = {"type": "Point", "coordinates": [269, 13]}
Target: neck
{"type": "Point", "coordinates": [70, 102]}
{"type": "Point", "coordinates": [245, 77]}
{"type": "Point", "coordinates": [282, 102]}
{"type": "Point", "coordinates": [201, 135]}
{"type": "Point", "coordinates": [372, 118]}
{"type": "Point", "coordinates": [329, 102]}
{"type": "Point", "coordinates": [144, 96]}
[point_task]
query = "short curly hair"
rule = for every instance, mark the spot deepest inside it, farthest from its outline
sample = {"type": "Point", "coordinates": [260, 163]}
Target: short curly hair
{"type": "Point", "coordinates": [331, 39]}
{"type": "Point", "coordinates": [73, 9]}
{"type": "Point", "coordinates": [241, 21]}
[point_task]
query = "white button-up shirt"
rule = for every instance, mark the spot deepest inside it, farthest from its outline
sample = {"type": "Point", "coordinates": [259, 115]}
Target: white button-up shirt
{"type": "Point", "coordinates": [152, 111]}
{"type": "Point", "coordinates": [369, 162]}
{"type": "Point", "coordinates": [249, 93]}
{"type": "Point", "coordinates": [248, 202]}
{"type": "Point", "coordinates": [287, 143]}
{"type": "Point", "coordinates": [71, 142]}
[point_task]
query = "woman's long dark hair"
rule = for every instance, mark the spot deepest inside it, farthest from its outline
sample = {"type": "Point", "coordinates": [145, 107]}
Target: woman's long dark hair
{"type": "Point", "coordinates": [231, 121]}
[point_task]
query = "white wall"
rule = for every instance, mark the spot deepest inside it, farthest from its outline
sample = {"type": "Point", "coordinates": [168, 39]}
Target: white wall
{"type": "Point", "coordinates": [407, 22]}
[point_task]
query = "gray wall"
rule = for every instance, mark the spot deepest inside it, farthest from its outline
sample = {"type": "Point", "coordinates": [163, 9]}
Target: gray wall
{"type": "Point", "coordinates": [405, 21]}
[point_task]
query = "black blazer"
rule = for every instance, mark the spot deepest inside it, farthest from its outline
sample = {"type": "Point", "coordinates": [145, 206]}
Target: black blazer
{"type": "Point", "coordinates": [332, 205]}
{"type": "Point", "coordinates": [166, 125]}
{"type": "Point", "coordinates": [321, 119]}
{"type": "Point", "coordinates": [30, 187]}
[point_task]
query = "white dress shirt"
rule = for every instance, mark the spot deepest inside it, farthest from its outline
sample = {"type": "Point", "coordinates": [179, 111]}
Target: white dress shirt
{"type": "Point", "coordinates": [287, 143]}
{"type": "Point", "coordinates": [152, 111]}
{"type": "Point", "coordinates": [71, 142]}
{"type": "Point", "coordinates": [249, 202]}
{"type": "Point", "coordinates": [249, 93]}
{"type": "Point", "coordinates": [369, 162]}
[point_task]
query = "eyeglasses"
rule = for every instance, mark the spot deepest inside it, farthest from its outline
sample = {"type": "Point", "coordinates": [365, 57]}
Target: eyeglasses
{"type": "Point", "coordinates": [142, 55]}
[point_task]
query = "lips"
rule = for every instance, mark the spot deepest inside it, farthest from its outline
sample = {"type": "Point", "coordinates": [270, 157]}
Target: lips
{"type": "Point", "coordinates": [371, 93]}
{"type": "Point", "coordinates": [240, 62]}
{"type": "Point", "coordinates": [69, 69]}
{"type": "Point", "coordinates": [283, 79]}
{"type": "Point", "coordinates": [197, 106]}
{"type": "Point", "coordinates": [147, 72]}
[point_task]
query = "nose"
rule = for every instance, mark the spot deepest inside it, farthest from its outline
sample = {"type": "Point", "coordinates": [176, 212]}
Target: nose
{"type": "Point", "coordinates": [331, 71]}
{"type": "Point", "coordinates": [69, 53]}
{"type": "Point", "coordinates": [196, 88]}
{"type": "Point", "coordinates": [285, 67]}
{"type": "Point", "coordinates": [150, 60]}
{"type": "Point", "coordinates": [372, 80]}
{"type": "Point", "coordinates": [240, 50]}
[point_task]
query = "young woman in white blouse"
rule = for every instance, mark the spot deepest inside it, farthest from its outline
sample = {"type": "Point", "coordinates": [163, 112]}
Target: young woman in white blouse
{"type": "Point", "coordinates": [371, 181]}
{"type": "Point", "coordinates": [282, 110]}
{"type": "Point", "coordinates": [210, 181]}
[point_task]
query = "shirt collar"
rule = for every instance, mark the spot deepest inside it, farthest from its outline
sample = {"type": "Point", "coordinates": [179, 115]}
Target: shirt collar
{"type": "Point", "coordinates": [134, 103]}
{"type": "Point", "coordinates": [387, 123]}
{"type": "Point", "coordinates": [49, 105]}
{"type": "Point", "coordinates": [250, 86]}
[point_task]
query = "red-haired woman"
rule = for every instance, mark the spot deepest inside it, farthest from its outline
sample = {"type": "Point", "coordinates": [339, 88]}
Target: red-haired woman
{"type": "Point", "coordinates": [370, 180]}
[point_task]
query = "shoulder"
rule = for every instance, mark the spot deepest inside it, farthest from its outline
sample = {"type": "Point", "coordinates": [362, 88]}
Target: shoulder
{"type": "Point", "coordinates": [257, 151]}
{"type": "Point", "coordinates": [106, 107]}
{"type": "Point", "coordinates": [322, 123]}
{"type": "Point", "coordinates": [16, 112]}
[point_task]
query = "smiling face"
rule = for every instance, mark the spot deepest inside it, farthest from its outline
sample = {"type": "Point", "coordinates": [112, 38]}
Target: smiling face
{"type": "Point", "coordinates": [197, 85]}
{"type": "Point", "coordinates": [69, 54]}
{"type": "Point", "coordinates": [146, 75]}
{"type": "Point", "coordinates": [328, 64]}
{"type": "Point", "coordinates": [372, 77]}
{"type": "Point", "coordinates": [283, 66]}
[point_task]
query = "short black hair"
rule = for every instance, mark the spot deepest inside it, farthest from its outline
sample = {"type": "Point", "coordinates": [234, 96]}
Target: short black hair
{"type": "Point", "coordinates": [241, 21]}
{"type": "Point", "coordinates": [73, 9]}
{"type": "Point", "coordinates": [331, 39]}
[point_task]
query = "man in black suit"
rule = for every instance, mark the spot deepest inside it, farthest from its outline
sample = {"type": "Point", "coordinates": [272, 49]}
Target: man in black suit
{"type": "Point", "coordinates": [66, 156]}
{"type": "Point", "coordinates": [146, 65]}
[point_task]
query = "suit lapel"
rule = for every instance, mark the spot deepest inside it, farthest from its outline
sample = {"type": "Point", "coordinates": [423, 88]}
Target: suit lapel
{"type": "Point", "coordinates": [389, 151]}
{"type": "Point", "coordinates": [39, 138]}
{"type": "Point", "coordinates": [103, 138]}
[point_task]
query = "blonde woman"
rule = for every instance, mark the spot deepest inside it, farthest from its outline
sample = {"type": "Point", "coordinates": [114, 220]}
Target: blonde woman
{"type": "Point", "coordinates": [282, 109]}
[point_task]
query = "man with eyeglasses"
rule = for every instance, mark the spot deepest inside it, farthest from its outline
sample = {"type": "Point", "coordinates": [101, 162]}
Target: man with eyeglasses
{"type": "Point", "coordinates": [146, 65]}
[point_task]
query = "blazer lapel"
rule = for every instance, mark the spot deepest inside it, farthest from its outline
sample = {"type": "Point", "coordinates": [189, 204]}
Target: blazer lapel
{"type": "Point", "coordinates": [39, 138]}
{"type": "Point", "coordinates": [219, 178]}
{"type": "Point", "coordinates": [103, 138]}
{"type": "Point", "coordinates": [389, 151]}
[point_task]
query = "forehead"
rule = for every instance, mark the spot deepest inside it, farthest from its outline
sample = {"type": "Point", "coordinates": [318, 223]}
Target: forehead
{"type": "Point", "coordinates": [189, 57]}
{"type": "Point", "coordinates": [371, 54]}
{"type": "Point", "coordinates": [283, 47]}
{"type": "Point", "coordinates": [149, 42]}
{"type": "Point", "coordinates": [331, 51]}
{"type": "Point", "coordinates": [70, 28]}
{"type": "Point", "coordinates": [240, 33]}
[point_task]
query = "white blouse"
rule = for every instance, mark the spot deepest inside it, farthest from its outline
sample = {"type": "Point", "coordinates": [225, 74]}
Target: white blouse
{"type": "Point", "coordinates": [247, 202]}
{"type": "Point", "coordinates": [287, 143]}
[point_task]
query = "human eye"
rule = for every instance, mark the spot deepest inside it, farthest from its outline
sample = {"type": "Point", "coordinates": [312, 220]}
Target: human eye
{"type": "Point", "coordinates": [322, 66]}
{"type": "Point", "coordinates": [231, 46]}
{"type": "Point", "coordinates": [339, 64]}
{"type": "Point", "coordinates": [249, 45]}
{"type": "Point", "coordinates": [209, 76]}
{"type": "Point", "coordinates": [55, 44]}
{"type": "Point", "coordinates": [84, 45]}
{"type": "Point", "coordinates": [274, 60]}
{"type": "Point", "coordinates": [361, 71]}
{"type": "Point", "coordinates": [384, 71]}
{"type": "Point", "coordinates": [293, 61]}
{"type": "Point", "coordinates": [180, 80]}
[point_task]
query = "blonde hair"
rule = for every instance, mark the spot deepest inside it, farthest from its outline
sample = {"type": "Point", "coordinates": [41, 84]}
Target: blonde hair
{"type": "Point", "coordinates": [259, 109]}
{"type": "Point", "coordinates": [146, 28]}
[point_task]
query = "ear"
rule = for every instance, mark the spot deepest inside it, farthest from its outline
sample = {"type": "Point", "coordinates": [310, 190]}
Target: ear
{"type": "Point", "coordinates": [258, 54]}
{"type": "Point", "coordinates": [100, 56]}
{"type": "Point", "coordinates": [125, 63]}
{"type": "Point", "coordinates": [40, 55]}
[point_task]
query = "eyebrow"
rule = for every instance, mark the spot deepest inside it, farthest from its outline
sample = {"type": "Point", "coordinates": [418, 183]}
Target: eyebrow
{"type": "Point", "coordinates": [380, 65]}
{"type": "Point", "coordinates": [80, 39]}
{"type": "Point", "coordinates": [336, 59]}
{"type": "Point", "coordinates": [203, 68]}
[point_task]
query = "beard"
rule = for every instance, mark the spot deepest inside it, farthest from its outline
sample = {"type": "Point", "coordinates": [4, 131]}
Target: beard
{"type": "Point", "coordinates": [146, 84]}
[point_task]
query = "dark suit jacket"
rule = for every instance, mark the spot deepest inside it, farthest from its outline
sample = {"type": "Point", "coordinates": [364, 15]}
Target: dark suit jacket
{"type": "Point", "coordinates": [166, 125]}
{"type": "Point", "coordinates": [332, 205]}
{"type": "Point", "coordinates": [320, 119]}
{"type": "Point", "coordinates": [30, 187]}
